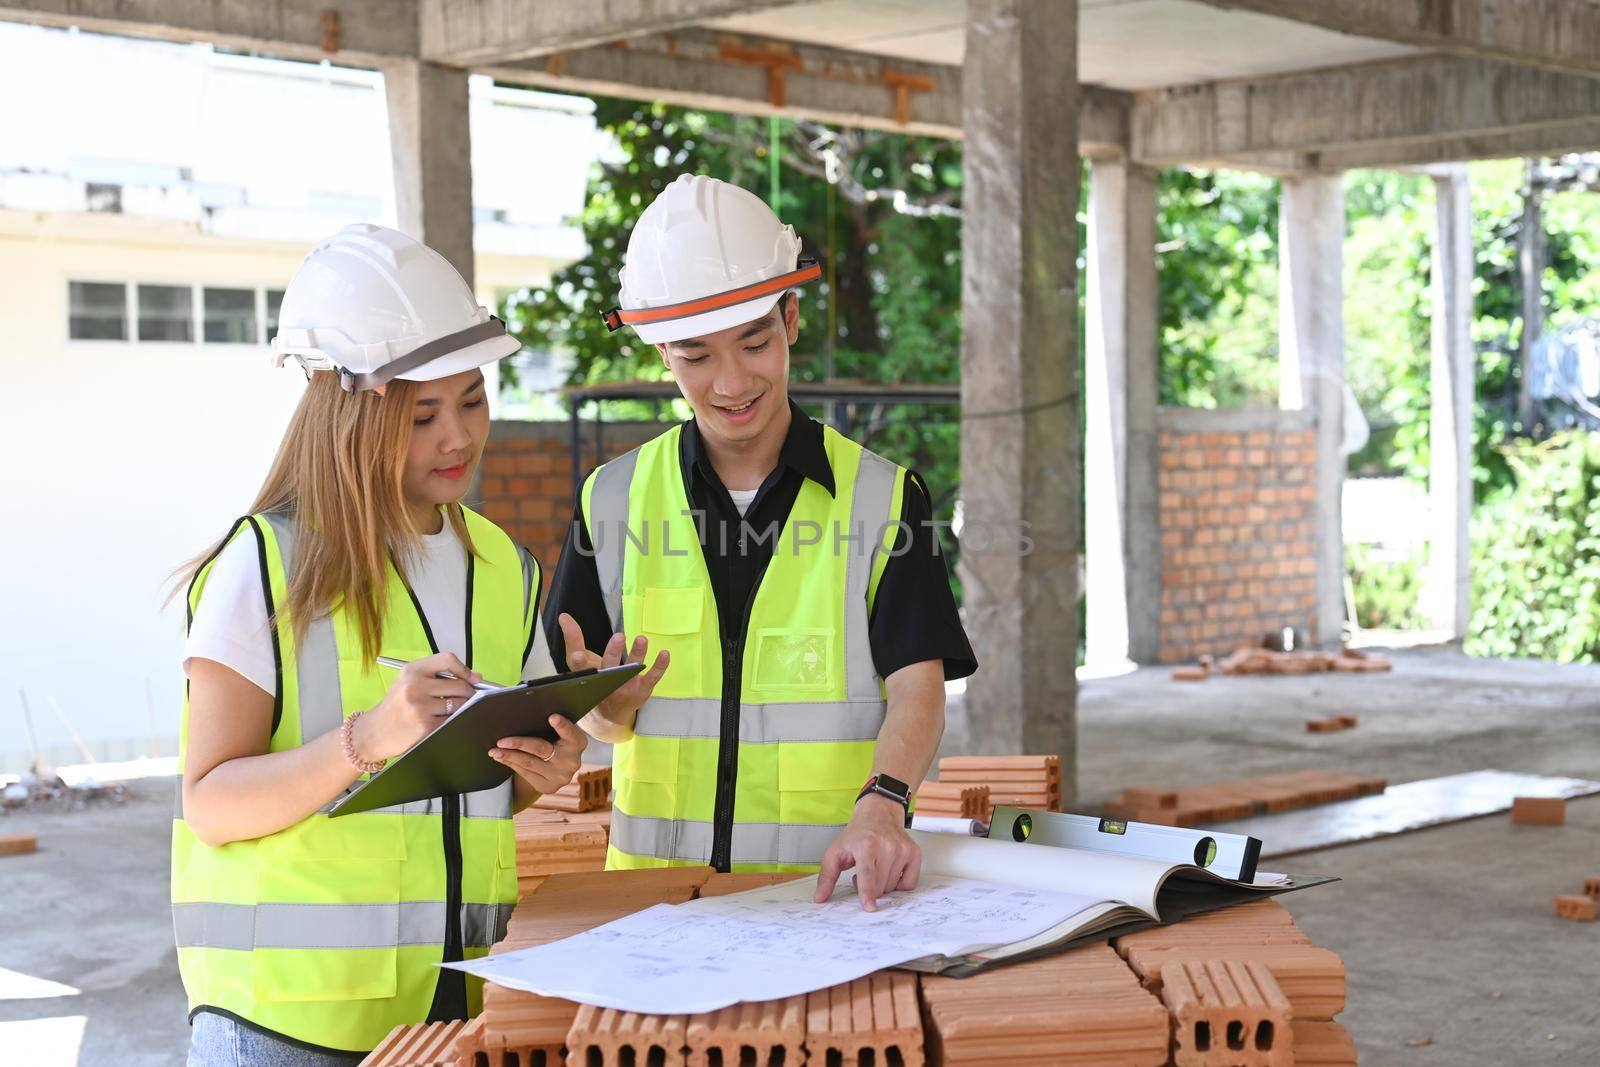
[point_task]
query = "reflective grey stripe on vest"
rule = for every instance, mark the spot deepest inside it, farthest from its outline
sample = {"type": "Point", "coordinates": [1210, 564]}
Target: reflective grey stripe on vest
{"type": "Point", "coordinates": [608, 520]}
{"type": "Point", "coordinates": [761, 724]}
{"type": "Point", "coordinates": [869, 511]}
{"type": "Point", "coordinates": [244, 927]}
{"type": "Point", "coordinates": [690, 839]}
{"type": "Point", "coordinates": [320, 700]}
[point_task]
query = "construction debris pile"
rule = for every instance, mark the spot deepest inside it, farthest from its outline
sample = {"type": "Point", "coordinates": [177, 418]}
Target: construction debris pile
{"type": "Point", "coordinates": [1255, 660]}
{"type": "Point", "coordinates": [1239, 986]}
{"type": "Point", "coordinates": [1240, 798]}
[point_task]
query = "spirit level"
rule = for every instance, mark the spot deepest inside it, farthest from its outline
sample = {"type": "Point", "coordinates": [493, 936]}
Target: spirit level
{"type": "Point", "coordinates": [1229, 855]}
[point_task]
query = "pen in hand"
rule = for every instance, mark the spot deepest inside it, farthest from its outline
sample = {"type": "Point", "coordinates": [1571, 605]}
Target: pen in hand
{"type": "Point", "coordinates": [398, 664]}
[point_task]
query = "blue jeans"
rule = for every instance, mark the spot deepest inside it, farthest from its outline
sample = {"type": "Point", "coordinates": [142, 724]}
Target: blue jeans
{"type": "Point", "coordinates": [218, 1041]}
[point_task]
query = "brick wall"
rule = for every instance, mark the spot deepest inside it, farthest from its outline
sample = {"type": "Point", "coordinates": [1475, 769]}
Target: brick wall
{"type": "Point", "coordinates": [1237, 514]}
{"type": "Point", "coordinates": [525, 483]}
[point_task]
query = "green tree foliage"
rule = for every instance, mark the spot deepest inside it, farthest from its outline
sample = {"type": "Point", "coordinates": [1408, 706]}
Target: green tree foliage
{"type": "Point", "coordinates": [883, 228]}
{"type": "Point", "coordinates": [1536, 570]}
{"type": "Point", "coordinates": [1218, 261]}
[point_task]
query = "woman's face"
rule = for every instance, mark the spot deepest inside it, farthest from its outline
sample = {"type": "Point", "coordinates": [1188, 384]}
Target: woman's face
{"type": "Point", "coordinates": [449, 424]}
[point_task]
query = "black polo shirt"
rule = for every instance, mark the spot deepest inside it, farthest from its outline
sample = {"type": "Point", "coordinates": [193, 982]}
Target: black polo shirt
{"type": "Point", "coordinates": [914, 616]}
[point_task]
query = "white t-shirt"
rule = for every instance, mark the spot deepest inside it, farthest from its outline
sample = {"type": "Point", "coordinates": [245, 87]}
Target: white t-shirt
{"type": "Point", "coordinates": [230, 625]}
{"type": "Point", "coordinates": [743, 498]}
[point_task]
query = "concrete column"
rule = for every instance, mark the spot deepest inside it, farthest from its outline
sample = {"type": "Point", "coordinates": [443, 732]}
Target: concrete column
{"type": "Point", "coordinates": [431, 144]}
{"type": "Point", "coordinates": [1311, 354]}
{"type": "Point", "coordinates": [1450, 424]}
{"type": "Point", "coordinates": [1019, 375]}
{"type": "Point", "coordinates": [1121, 537]}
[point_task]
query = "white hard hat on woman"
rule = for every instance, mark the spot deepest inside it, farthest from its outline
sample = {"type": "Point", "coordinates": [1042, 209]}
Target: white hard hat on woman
{"type": "Point", "coordinates": [704, 256]}
{"type": "Point", "coordinates": [374, 304]}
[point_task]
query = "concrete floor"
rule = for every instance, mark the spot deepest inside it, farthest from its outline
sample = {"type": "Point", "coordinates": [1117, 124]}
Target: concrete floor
{"type": "Point", "coordinates": [1454, 954]}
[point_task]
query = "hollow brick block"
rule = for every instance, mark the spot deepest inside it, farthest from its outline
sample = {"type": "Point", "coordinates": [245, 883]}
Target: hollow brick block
{"type": "Point", "coordinates": [1312, 978]}
{"type": "Point", "coordinates": [1227, 1013]}
{"type": "Point", "coordinates": [589, 790]}
{"type": "Point", "coordinates": [1083, 1006]}
{"type": "Point", "coordinates": [870, 1021]}
{"type": "Point", "coordinates": [1539, 811]}
{"type": "Point", "coordinates": [1322, 1044]}
{"type": "Point", "coordinates": [1577, 907]}
{"type": "Point", "coordinates": [766, 1034]}
{"type": "Point", "coordinates": [959, 800]}
{"type": "Point", "coordinates": [605, 1037]}
{"type": "Point", "coordinates": [420, 1045]}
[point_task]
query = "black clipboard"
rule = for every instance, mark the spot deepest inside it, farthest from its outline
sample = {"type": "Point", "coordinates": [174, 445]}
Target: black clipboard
{"type": "Point", "coordinates": [454, 758]}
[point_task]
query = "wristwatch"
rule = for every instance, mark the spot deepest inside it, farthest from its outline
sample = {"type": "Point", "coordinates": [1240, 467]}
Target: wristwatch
{"type": "Point", "coordinates": [893, 788]}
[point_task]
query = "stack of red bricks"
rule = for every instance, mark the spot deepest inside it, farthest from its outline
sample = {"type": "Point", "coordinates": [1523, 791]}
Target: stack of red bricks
{"type": "Point", "coordinates": [1266, 661]}
{"type": "Point", "coordinates": [1240, 798]}
{"type": "Point", "coordinates": [1243, 985]}
{"type": "Point", "coordinates": [1014, 781]}
{"type": "Point", "coordinates": [954, 800]}
{"type": "Point", "coordinates": [557, 842]}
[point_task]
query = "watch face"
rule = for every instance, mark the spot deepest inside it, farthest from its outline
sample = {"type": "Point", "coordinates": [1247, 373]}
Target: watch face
{"type": "Point", "coordinates": [894, 785]}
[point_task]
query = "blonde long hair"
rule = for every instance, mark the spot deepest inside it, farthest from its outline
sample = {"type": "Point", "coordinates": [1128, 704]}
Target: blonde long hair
{"type": "Point", "coordinates": [340, 471]}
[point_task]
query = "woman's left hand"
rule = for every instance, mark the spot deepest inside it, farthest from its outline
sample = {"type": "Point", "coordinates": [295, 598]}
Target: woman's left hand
{"type": "Point", "coordinates": [544, 766]}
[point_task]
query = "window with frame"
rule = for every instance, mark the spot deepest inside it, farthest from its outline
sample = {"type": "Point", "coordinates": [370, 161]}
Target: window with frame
{"type": "Point", "coordinates": [166, 313]}
{"type": "Point", "coordinates": [230, 316]}
{"type": "Point", "coordinates": [97, 311]}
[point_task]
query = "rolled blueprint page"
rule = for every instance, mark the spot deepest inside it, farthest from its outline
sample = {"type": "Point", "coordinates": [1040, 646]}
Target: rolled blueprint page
{"type": "Point", "coordinates": [1097, 875]}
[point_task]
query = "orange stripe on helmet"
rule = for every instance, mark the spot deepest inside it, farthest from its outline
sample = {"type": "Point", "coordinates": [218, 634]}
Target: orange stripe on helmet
{"type": "Point", "coordinates": [616, 318]}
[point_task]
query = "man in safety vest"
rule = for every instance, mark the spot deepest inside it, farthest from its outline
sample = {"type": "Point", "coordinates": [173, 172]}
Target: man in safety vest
{"type": "Point", "coordinates": [792, 578]}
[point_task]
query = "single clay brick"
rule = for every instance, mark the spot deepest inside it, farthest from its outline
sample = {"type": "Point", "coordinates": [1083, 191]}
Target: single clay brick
{"type": "Point", "coordinates": [18, 844]}
{"type": "Point", "coordinates": [1227, 1013]}
{"type": "Point", "coordinates": [720, 885]}
{"type": "Point", "coordinates": [605, 1037]}
{"type": "Point", "coordinates": [589, 790]}
{"type": "Point", "coordinates": [1577, 907]}
{"type": "Point", "coordinates": [421, 1045]}
{"type": "Point", "coordinates": [1538, 811]}
{"type": "Point", "coordinates": [959, 800]}
{"type": "Point", "coordinates": [1083, 1006]}
{"type": "Point", "coordinates": [770, 1033]}
{"type": "Point", "coordinates": [1190, 674]}
{"type": "Point", "coordinates": [872, 1020]}
{"type": "Point", "coordinates": [1347, 721]}
{"type": "Point", "coordinates": [1322, 1044]}
{"type": "Point", "coordinates": [1591, 886]}
{"type": "Point", "coordinates": [1150, 798]}
{"type": "Point", "coordinates": [1324, 726]}
{"type": "Point", "coordinates": [1312, 978]}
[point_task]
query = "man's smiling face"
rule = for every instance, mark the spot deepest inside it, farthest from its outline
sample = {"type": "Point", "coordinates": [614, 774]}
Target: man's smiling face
{"type": "Point", "coordinates": [737, 380]}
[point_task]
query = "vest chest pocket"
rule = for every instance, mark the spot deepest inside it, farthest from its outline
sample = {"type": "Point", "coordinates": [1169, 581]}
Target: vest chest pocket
{"type": "Point", "coordinates": [672, 619]}
{"type": "Point", "coordinates": [330, 914]}
{"type": "Point", "coordinates": [798, 660]}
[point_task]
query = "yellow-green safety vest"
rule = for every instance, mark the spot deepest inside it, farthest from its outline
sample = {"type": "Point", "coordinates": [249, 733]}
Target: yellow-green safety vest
{"type": "Point", "coordinates": [810, 702]}
{"type": "Point", "coordinates": [328, 932]}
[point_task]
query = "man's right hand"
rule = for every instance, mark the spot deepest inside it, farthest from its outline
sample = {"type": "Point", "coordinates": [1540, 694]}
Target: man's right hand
{"type": "Point", "coordinates": [612, 721]}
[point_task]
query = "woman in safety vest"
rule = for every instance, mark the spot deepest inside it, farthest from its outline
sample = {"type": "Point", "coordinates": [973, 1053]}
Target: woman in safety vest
{"type": "Point", "coordinates": [304, 939]}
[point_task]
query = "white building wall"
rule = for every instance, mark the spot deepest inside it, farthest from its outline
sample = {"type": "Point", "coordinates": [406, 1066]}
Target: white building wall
{"type": "Point", "coordinates": [123, 459]}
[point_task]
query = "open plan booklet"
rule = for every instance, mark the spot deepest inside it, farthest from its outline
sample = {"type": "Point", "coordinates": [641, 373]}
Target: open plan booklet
{"type": "Point", "coordinates": [978, 903]}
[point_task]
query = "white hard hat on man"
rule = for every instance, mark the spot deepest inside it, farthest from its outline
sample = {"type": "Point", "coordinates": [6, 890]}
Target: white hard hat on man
{"type": "Point", "coordinates": [373, 305]}
{"type": "Point", "coordinates": [705, 255]}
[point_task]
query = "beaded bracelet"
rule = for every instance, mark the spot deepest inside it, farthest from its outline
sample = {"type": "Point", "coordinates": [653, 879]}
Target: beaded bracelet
{"type": "Point", "coordinates": [347, 742]}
